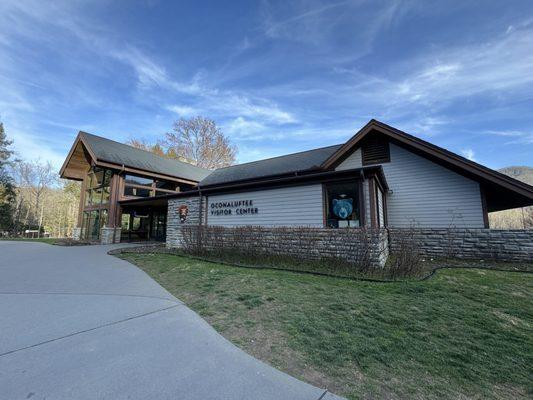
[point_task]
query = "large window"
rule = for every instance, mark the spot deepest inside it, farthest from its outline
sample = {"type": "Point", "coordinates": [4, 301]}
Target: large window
{"type": "Point", "coordinates": [342, 205]}
{"type": "Point", "coordinates": [139, 186]}
{"type": "Point", "coordinates": [97, 194]}
{"type": "Point", "coordinates": [97, 187]}
{"type": "Point", "coordinates": [92, 222]}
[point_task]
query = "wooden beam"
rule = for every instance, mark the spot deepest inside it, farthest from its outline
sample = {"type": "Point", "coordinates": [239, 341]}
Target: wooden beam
{"type": "Point", "coordinates": [372, 194]}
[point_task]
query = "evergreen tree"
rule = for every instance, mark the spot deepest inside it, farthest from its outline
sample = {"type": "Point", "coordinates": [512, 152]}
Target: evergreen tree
{"type": "Point", "coordinates": [7, 187]}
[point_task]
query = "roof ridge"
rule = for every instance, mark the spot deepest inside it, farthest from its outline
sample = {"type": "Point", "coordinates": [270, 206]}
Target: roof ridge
{"type": "Point", "coordinates": [272, 158]}
{"type": "Point", "coordinates": [146, 151]}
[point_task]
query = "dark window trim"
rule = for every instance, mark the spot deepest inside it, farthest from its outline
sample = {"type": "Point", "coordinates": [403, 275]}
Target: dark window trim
{"type": "Point", "coordinates": [325, 206]}
{"type": "Point", "coordinates": [372, 194]}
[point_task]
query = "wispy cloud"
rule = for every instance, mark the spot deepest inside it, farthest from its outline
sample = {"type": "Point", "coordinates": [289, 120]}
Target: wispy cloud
{"type": "Point", "coordinates": [515, 137]}
{"type": "Point", "coordinates": [285, 77]}
{"type": "Point", "coordinates": [468, 153]}
{"type": "Point", "coordinates": [183, 111]}
{"type": "Point", "coordinates": [301, 26]}
{"type": "Point", "coordinates": [259, 108]}
{"type": "Point", "coordinates": [498, 66]}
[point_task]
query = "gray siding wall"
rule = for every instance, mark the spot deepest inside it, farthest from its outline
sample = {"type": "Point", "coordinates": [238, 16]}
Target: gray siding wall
{"type": "Point", "coordinates": [353, 161]}
{"type": "Point", "coordinates": [427, 194]}
{"type": "Point", "coordinates": [366, 194]}
{"type": "Point", "coordinates": [381, 213]}
{"type": "Point", "coordinates": [291, 206]}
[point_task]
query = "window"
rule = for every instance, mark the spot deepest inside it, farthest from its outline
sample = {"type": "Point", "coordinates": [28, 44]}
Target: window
{"type": "Point", "coordinates": [375, 150]}
{"type": "Point", "coordinates": [137, 186]}
{"type": "Point", "coordinates": [125, 222]}
{"type": "Point", "coordinates": [93, 227]}
{"type": "Point", "coordinates": [165, 185]}
{"type": "Point", "coordinates": [98, 187]}
{"type": "Point", "coordinates": [138, 180]}
{"type": "Point", "coordinates": [97, 194]}
{"type": "Point", "coordinates": [137, 192]}
{"type": "Point", "coordinates": [342, 205]}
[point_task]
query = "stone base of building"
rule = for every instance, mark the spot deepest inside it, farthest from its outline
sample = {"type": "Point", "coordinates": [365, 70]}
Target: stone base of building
{"type": "Point", "coordinates": [76, 233]}
{"type": "Point", "coordinates": [468, 243]}
{"type": "Point", "coordinates": [109, 235]}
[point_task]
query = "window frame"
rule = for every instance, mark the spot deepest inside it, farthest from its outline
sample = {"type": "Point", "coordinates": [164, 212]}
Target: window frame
{"type": "Point", "coordinates": [152, 188]}
{"type": "Point", "coordinates": [100, 206]}
{"type": "Point", "coordinates": [357, 203]}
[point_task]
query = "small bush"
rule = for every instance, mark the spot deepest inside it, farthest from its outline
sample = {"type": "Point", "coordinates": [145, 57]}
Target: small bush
{"type": "Point", "coordinates": [405, 259]}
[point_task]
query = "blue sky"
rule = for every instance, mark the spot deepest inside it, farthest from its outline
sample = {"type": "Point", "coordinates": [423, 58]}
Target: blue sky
{"type": "Point", "coordinates": [278, 77]}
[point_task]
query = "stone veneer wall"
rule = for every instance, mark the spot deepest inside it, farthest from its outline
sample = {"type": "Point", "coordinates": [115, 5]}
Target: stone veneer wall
{"type": "Point", "coordinates": [110, 235]}
{"type": "Point", "coordinates": [76, 233]}
{"type": "Point", "coordinates": [470, 243]}
{"type": "Point", "coordinates": [367, 246]}
{"type": "Point", "coordinates": [174, 225]}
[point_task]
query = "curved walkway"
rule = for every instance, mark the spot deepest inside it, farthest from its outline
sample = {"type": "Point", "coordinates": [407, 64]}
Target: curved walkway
{"type": "Point", "coordinates": [76, 323]}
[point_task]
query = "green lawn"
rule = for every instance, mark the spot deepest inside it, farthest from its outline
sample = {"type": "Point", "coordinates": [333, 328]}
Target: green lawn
{"type": "Point", "coordinates": [463, 334]}
{"type": "Point", "coordinates": [40, 240]}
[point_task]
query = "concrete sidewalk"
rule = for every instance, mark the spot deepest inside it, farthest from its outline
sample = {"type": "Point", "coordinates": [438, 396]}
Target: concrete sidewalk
{"type": "Point", "coordinates": [76, 323]}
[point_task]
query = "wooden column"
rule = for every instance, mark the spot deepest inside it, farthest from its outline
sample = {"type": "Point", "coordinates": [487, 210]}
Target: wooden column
{"type": "Point", "coordinates": [114, 207]}
{"type": "Point", "coordinates": [373, 208]}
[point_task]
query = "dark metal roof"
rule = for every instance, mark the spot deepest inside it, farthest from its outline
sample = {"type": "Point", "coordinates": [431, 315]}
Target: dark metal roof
{"type": "Point", "coordinates": [282, 165]}
{"type": "Point", "coordinates": [122, 154]}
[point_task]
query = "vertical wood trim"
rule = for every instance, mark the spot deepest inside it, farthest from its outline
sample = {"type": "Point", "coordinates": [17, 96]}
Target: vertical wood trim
{"type": "Point", "coordinates": [206, 209]}
{"type": "Point", "coordinates": [362, 210]}
{"type": "Point", "coordinates": [120, 194]}
{"type": "Point", "coordinates": [484, 207]}
{"type": "Point", "coordinates": [113, 202]}
{"type": "Point", "coordinates": [82, 200]}
{"type": "Point", "coordinates": [372, 194]}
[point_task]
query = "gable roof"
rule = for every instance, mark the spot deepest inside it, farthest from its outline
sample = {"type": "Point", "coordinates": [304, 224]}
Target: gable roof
{"type": "Point", "coordinates": [501, 191]}
{"type": "Point", "coordinates": [276, 166]}
{"type": "Point", "coordinates": [109, 151]}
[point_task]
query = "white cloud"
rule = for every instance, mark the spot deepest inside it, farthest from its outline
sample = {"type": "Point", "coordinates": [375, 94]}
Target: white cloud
{"type": "Point", "coordinates": [468, 153]}
{"type": "Point", "coordinates": [517, 137]}
{"type": "Point", "coordinates": [243, 127]}
{"type": "Point", "coordinates": [235, 104]}
{"type": "Point", "coordinates": [304, 25]}
{"type": "Point", "coordinates": [498, 66]}
{"type": "Point", "coordinates": [183, 111]}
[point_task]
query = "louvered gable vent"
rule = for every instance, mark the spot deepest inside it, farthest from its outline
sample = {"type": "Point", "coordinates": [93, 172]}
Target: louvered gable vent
{"type": "Point", "coordinates": [375, 150]}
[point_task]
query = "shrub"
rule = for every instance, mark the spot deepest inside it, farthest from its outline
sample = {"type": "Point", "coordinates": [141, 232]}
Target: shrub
{"type": "Point", "coordinates": [340, 252]}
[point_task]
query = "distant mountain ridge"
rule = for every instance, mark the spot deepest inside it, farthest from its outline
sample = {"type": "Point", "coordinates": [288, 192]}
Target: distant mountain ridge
{"type": "Point", "coordinates": [524, 174]}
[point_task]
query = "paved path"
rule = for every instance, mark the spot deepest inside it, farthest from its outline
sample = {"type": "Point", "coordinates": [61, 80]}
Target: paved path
{"type": "Point", "coordinates": [76, 323]}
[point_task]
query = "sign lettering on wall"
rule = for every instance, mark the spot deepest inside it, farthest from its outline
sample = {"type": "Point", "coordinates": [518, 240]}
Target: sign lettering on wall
{"type": "Point", "coordinates": [237, 207]}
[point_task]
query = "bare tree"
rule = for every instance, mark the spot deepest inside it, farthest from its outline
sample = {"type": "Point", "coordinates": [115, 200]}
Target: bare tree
{"type": "Point", "coordinates": [145, 145]}
{"type": "Point", "coordinates": [199, 141]}
{"type": "Point", "coordinates": [36, 177]}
